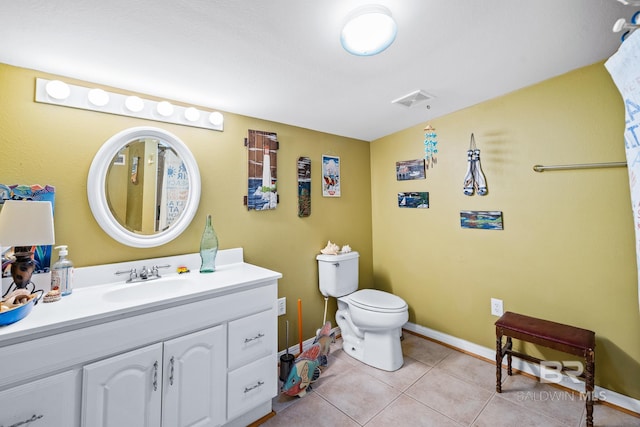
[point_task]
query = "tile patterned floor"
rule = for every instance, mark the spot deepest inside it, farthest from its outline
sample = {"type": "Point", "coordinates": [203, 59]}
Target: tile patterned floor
{"type": "Point", "coordinates": [438, 387]}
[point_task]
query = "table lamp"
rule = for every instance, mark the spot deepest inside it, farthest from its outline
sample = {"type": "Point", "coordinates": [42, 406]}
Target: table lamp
{"type": "Point", "coordinates": [23, 225]}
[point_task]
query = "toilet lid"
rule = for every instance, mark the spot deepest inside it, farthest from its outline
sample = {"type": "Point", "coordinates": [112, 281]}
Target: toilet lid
{"type": "Point", "coordinates": [372, 299]}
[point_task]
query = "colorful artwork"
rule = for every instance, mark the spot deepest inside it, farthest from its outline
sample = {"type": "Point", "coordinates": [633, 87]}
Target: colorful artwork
{"type": "Point", "coordinates": [263, 167]}
{"type": "Point", "coordinates": [330, 176]}
{"type": "Point", "coordinates": [486, 220]}
{"type": "Point", "coordinates": [414, 199]}
{"type": "Point", "coordinates": [41, 254]}
{"type": "Point", "coordinates": [304, 187]}
{"type": "Point", "coordinates": [410, 169]}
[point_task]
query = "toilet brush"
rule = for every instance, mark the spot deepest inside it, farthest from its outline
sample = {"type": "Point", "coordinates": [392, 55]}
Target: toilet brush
{"type": "Point", "coordinates": [287, 359]}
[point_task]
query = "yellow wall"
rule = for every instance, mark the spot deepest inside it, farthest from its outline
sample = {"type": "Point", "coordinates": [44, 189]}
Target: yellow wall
{"type": "Point", "coordinates": [45, 144]}
{"type": "Point", "coordinates": [567, 249]}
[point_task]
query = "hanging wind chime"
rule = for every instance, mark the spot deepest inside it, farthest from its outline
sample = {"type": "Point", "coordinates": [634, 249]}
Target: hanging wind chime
{"type": "Point", "coordinates": [430, 146]}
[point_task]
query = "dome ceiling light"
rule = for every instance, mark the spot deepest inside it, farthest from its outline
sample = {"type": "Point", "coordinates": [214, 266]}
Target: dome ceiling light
{"type": "Point", "coordinates": [368, 31]}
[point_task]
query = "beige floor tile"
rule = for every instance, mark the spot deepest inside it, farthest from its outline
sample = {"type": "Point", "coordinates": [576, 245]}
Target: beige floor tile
{"type": "Point", "coordinates": [503, 413]}
{"type": "Point", "coordinates": [410, 372]}
{"type": "Point", "coordinates": [424, 350]}
{"type": "Point", "coordinates": [472, 369]}
{"type": "Point", "coordinates": [358, 395]}
{"type": "Point", "coordinates": [406, 411]}
{"type": "Point", "coordinates": [310, 411]}
{"type": "Point", "coordinates": [457, 399]}
{"type": "Point", "coordinates": [552, 401]}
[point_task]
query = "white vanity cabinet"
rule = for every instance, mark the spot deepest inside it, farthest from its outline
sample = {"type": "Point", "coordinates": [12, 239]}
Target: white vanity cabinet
{"type": "Point", "coordinates": [181, 381]}
{"type": "Point", "coordinates": [185, 350]}
{"type": "Point", "coordinates": [51, 401]}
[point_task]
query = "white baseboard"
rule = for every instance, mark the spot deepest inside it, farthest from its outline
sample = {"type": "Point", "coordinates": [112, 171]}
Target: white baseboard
{"type": "Point", "coordinates": [609, 396]}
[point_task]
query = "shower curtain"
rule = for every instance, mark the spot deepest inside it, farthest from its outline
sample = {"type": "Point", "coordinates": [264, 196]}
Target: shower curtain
{"type": "Point", "coordinates": [624, 67]}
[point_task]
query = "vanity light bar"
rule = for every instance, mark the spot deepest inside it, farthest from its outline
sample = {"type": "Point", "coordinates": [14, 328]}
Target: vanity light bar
{"type": "Point", "coordinates": [64, 94]}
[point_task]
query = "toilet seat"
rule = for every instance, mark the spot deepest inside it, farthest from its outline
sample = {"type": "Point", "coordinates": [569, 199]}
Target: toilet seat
{"type": "Point", "coordinates": [378, 301]}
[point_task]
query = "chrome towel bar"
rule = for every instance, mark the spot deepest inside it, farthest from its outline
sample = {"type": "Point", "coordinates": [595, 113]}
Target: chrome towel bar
{"type": "Point", "coordinates": [541, 168]}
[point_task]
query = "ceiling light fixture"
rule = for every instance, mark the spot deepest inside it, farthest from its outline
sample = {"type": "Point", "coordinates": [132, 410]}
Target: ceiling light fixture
{"type": "Point", "coordinates": [369, 30]}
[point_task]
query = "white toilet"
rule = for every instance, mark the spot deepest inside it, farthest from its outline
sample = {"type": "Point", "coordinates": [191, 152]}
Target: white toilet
{"type": "Point", "coordinates": [370, 321]}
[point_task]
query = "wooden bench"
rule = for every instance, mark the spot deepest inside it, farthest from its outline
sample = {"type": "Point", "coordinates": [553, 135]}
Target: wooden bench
{"type": "Point", "coordinates": [565, 338]}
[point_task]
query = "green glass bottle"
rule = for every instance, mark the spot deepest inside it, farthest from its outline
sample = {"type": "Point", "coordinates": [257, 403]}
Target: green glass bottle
{"type": "Point", "coordinates": [208, 248]}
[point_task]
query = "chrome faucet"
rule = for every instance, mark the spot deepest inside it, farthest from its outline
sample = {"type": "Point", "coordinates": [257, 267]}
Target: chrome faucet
{"type": "Point", "coordinates": [144, 275]}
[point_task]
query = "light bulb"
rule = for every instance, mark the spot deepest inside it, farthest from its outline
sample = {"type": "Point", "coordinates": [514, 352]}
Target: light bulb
{"type": "Point", "coordinates": [216, 118]}
{"type": "Point", "coordinates": [58, 90]}
{"type": "Point", "coordinates": [134, 104]}
{"type": "Point", "coordinates": [98, 97]}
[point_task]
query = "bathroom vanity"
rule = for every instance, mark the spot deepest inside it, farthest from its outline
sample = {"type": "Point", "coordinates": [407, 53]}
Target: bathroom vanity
{"type": "Point", "coordinates": [181, 350]}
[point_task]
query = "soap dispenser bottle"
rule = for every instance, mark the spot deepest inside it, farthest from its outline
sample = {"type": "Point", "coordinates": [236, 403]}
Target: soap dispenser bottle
{"type": "Point", "coordinates": [62, 272]}
{"type": "Point", "coordinates": [208, 248]}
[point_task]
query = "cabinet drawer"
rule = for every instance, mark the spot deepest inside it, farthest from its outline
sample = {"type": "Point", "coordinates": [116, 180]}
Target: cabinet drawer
{"type": "Point", "coordinates": [251, 338]}
{"type": "Point", "coordinates": [51, 401]}
{"type": "Point", "coordinates": [251, 385]}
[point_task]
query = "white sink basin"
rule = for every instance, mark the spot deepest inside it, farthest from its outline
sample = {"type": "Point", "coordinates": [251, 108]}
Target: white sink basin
{"type": "Point", "coordinates": [157, 289]}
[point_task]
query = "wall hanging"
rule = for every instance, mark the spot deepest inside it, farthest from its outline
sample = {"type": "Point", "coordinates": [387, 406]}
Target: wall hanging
{"type": "Point", "coordinates": [263, 167]}
{"type": "Point", "coordinates": [304, 186]}
{"type": "Point", "coordinates": [486, 220]}
{"type": "Point", "coordinates": [474, 179]}
{"type": "Point", "coordinates": [330, 176]}
{"type": "Point", "coordinates": [410, 169]}
{"type": "Point", "coordinates": [430, 146]}
{"type": "Point", "coordinates": [414, 199]}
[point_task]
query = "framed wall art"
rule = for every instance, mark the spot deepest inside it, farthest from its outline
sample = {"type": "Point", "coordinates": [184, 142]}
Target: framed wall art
{"type": "Point", "coordinates": [330, 176]}
{"type": "Point", "coordinates": [485, 220]}
{"type": "Point", "coordinates": [410, 169]}
{"type": "Point", "coordinates": [414, 199]}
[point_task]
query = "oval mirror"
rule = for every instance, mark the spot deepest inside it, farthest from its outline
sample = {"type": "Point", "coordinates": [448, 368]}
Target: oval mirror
{"type": "Point", "coordinates": [143, 187]}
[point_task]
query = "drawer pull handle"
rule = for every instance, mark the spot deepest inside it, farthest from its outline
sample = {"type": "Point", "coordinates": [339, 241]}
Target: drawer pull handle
{"type": "Point", "coordinates": [258, 384]}
{"type": "Point", "coordinates": [257, 337]}
{"type": "Point", "coordinates": [171, 363]}
{"type": "Point", "coordinates": [155, 376]}
{"type": "Point", "coordinates": [33, 418]}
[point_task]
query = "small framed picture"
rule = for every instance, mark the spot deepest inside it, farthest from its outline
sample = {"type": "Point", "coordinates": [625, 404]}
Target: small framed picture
{"type": "Point", "coordinates": [410, 169]}
{"type": "Point", "coordinates": [119, 159]}
{"type": "Point", "coordinates": [485, 220]}
{"type": "Point", "coordinates": [414, 199]}
{"type": "Point", "coordinates": [330, 176]}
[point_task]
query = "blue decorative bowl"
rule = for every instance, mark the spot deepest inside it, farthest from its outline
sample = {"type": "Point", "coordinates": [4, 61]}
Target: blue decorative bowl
{"type": "Point", "coordinates": [18, 313]}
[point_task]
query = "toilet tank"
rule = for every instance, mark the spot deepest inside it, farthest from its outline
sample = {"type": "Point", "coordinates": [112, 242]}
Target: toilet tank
{"type": "Point", "coordinates": [338, 274]}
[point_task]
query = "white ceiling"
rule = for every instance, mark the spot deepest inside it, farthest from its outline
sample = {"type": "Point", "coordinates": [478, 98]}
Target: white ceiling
{"type": "Point", "coordinates": [281, 60]}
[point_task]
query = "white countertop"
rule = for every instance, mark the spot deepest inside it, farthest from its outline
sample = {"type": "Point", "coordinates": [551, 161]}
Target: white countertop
{"type": "Point", "coordinates": [99, 296]}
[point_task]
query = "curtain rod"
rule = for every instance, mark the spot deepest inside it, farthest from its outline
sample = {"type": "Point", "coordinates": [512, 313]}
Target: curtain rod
{"type": "Point", "coordinates": [541, 168]}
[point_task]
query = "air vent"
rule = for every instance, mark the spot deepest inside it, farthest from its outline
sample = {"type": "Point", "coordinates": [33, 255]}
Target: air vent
{"type": "Point", "coordinates": [414, 98]}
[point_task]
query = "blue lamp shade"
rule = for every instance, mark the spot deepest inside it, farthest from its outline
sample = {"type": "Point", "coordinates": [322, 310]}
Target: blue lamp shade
{"type": "Point", "coordinates": [369, 30]}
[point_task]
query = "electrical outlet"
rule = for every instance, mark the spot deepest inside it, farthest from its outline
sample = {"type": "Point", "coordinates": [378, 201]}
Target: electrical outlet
{"type": "Point", "coordinates": [497, 308]}
{"type": "Point", "coordinates": [282, 306]}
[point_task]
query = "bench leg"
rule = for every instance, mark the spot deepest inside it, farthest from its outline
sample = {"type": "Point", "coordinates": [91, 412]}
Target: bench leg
{"type": "Point", "coordinates": [589, 385]}
{"type": "Point", "coordinates": [499, 357]}
{"type": "Point", "coordinates": [509, 347]}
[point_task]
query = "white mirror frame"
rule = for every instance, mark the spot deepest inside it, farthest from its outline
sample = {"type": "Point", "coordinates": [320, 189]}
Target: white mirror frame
{"type": "Point", "coordinates": [96, 184]}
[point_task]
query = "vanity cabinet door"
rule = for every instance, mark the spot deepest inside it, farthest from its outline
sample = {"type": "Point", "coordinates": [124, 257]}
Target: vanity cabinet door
{"type": "Point", "coordinates": [194, 384]}
{"type": "Point", "coordinates": [51, 401]}
{"type": "Point", "coordinates": [124, 390]}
